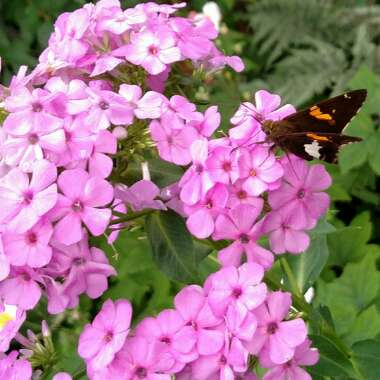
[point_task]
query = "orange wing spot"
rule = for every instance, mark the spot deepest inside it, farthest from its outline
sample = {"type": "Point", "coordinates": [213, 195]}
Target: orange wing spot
{"type": "Point", "coordinates": [314, 108]}
{"type": "Point", "coordinates": [316, 137]}
{"type": "Point", "coordinates": [324, 116]}
{"type": "Point", "coordinates": [315, 112]}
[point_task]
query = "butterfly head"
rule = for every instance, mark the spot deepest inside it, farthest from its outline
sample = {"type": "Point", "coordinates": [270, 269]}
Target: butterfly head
{"type": "Point", "coordinates": [268, 127]}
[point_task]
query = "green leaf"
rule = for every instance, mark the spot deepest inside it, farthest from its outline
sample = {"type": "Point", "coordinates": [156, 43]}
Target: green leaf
{"type": "Point", "coordinates": [308, 265]}
{"type": "Point", "coordinates": [333, 361]}
{"type": "Point", "coordinates": [353, 291]}
{"type": "Point", "coordinates": [346, 244]}
{"type": "Point", "coordinates": [374, 153]}
{"type": "Point", "coordinates": [366, 356]}
{"type": "Point", "coordinates": [366, 326]}
{"type": "Point", "coordinates": [172, 246]}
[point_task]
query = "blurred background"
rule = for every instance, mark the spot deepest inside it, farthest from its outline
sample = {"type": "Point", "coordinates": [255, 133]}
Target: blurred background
{"type": "Point", "coordinates": [304, 50]}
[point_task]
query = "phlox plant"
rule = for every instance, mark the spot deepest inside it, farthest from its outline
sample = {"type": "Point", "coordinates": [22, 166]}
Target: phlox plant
{"type": "Point", "coordinates": [107, 94]}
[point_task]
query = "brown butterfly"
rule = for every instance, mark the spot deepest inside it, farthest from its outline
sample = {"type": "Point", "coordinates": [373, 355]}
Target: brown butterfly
{"type": "Point", "coordinates": [316, 132]}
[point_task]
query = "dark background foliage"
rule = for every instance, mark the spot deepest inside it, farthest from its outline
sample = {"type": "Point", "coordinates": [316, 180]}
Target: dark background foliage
{"type": "Point", "coordinates": [304, 50]}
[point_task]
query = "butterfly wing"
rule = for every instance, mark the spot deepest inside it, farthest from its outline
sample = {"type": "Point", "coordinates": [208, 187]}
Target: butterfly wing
{"type": "Point", "coordinates": [329, 116]}
{"type": "Point", "coordinates": [315, 145]}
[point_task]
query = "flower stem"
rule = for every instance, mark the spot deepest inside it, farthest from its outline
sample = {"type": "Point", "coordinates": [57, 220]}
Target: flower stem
{"type": "Point", "coordinates": [289, 274]}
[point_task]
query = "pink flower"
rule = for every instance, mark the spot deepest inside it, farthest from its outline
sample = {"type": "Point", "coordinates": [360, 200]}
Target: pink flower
{"type": "Point", "coordinates": [120, 21]}
{"type": "Point", "coordinates": [23, 202]}
{"type": "Point", "coordinates": [141, 359]}
{"type": "Point", "coordinates": [21, 288]}
{"type": "Point", "coordinates": [100, 341]}
{"type": "Point", "coordinates": [259, 170]}
{"type": "Point", "coordinates": [29, 111]}
{"type": "Point", "coordinates": [273, 333]}
{"type": "Point", "coordinates": [196, 181]}
{"type": "Point", "coordinates": [62, 376]}
{"type": "Point", "coordinates": [80, 270]}
{"type": "Point", "coordinates": [239, 225]}
{"type": "Point", "coordinates": [140, 195]}
{"type": "Point", "coordinates": [151, 50]}
{"type": "Point", "coordinates": [4, 262]}
{"type": "Point", "coordinates": [201, 217]}
{"type": "Point", "coordinates": [249, 117]}
{"type": "Point", "coordinates": [170, 329]}
{"type": "Point", "coordinates": [300, 195]}
{"type": "Point", "coordinates": [181, 109]}
{"type": "Point", "coordinates": [107, 108]}
{"type": "Point", "coordinates": [11, 319]}
{"type": "Point", "coordinates": [209, 123]}
{"type": "Point", "coordinates": [303, 355]}
{"type": "Point", "coordinates": [13, 368]}
{"type": "Point", "coordinates": [191, 303]}
{"type": "Point", "coordinates": [31, 247]}
{"type": "Point", "coordinates": [286, 234]}
{"type": "Point", "coordinates": [83, 195]}
{"type": "Point", "coordinates": [173, 144]}
{"type": "Point", "coordinates": [237, 286]}
{"type": "Point", "coordinates": [222, 165]}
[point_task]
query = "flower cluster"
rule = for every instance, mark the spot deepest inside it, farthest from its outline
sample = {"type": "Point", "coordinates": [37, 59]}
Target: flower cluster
{"type": "Point", "coordinates": [212, 333]}
{"type": "Point", "coordinates": [99, 88]}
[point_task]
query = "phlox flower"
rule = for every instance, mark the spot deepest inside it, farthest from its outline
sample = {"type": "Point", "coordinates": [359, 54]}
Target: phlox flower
{"type": "Point", "coordinates": [29, 111]}
{"type": "Point", "coordinates": [240, 225]}
{"type": "Point", "coordinates": [196, 181]}
{"type": "Point", "coordinates": [209, 123]}
{"type": "Point", "coordinates": [301, 193]}
{"type": "Point", "coordinates": [259, 170]}
{"type": "Point", "coordinates": [31, 247]}
{"type": "Point", "coordinates": [11, 319]}
{"type": "Point", "coordinates": [180, 109]}
{"type": "Point", "coordinates": [273, 333]}
{"type": "Point", "coordinates": [143, 360]}
{"type": "Point", "coordinates": [12, 367]}
{"type": "Point", "coordinates": [237, 286]}
{"type": "Point", "coordinates": [106, 108]}
{"type": "Point", "coordinates": [120, 21]}
{"type": "Point", "coordinates": [140, 195]}
{"type": "Point", "coordinates": [222, 165]}
{"type": "Point", "coordinates": [21, 288]}
{"type": "Point", "coordinates": [170, 329]}
{"type": "Point", "coordinates": [201, 216]}
{"type": "Point", "coordinates": [81, 270]}
{"type": "Point", "coordinates": [249, 117]}
{"type": "Point", "coordinates": [286, 234]}
{"type": "Point", "coordinates": [62, 376]}
{"type": "Point", "coordinates": [105, 336]}
{"type": "Point", "coordinates": [152, 50]}
{"type": "Point", "coordinates": [238, 196]}
{"type": "Point", "coordinates": [173, 144]}
{"type": "Point", "coordinates": [81, 200]}
{"type": "Point", "coordinates": [303, 356]}
{"type": "Point", "coordinates": [191, 303]}
{"type": "Point", "coordinates": [24, 201]}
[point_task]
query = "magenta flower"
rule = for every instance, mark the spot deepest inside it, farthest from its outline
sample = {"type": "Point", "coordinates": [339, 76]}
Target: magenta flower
{"type": "Point", "coordinates": [11, 319]}
{"type": "Point", "coordinates": [237, 286]}
{"type": "Point", "coordinates": [4, 262]}
{"type": "Point", "coordinates": [81, 270]}
{"type": "Point", "coordinates": [83, 195]}
{"type": "Point", "coordinates": [191, 303]}
{"type": "Point", "coordinates": [31, 247]}
{"type": "Point", "coordinates": [13, 368]}
{"type": "Point", "coordinates": [170, 329]}
{"type": "Point", "coordinates": [286, 234]}
{"type": "Point", "coordinates": [209, 123]}
{"type": "Point", "coordinates": [201, 217]}
{"type": "Point", "coordinates": [259, 170]}
{"type": "Point", "coordinates": [21, 288]}
{"type": "Point", "coordinates": [62, 376]}
{"type": "Point", "coordinates": [173, 144]}
{"type": "Point", "coordinates": [303, 356]}
{"type": "Point", "coordinates": [30, 111]}
{"type": "Point", "coordinates": [300, 195]}
{"type": "Point", "coordinates": [196, 181]}
{"type": "Point", "coordinates": [23, 201]}
{"type": "Point", "coordinates": [144, 360]}
{"type": "Point", "coordinates": [140, 195]}
{"type": "Point", "coordinates": [222, 165]}
{"type": "Point", "coordinates": [181, 109]}
{"type": "Point", "coordinates": [152, 50]}
{"type": "Point", "coordinates": [273, 333]}
{"type": "Point", "coordinates": [107, 108]}
{"type": "Point", "coordinates": [238, 196]}
{"type": "Point", "coordinates": [239, 225]}
{"type": "Point", "coordinates": [120, 21]}
{"type": "Point", "coordinates": [101, 340]}
{"type": "Point", "coordinates": [249, 117]}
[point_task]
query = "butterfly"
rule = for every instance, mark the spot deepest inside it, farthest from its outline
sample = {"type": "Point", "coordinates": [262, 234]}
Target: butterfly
{"type": "Point", "coordinates": [317, 132]}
